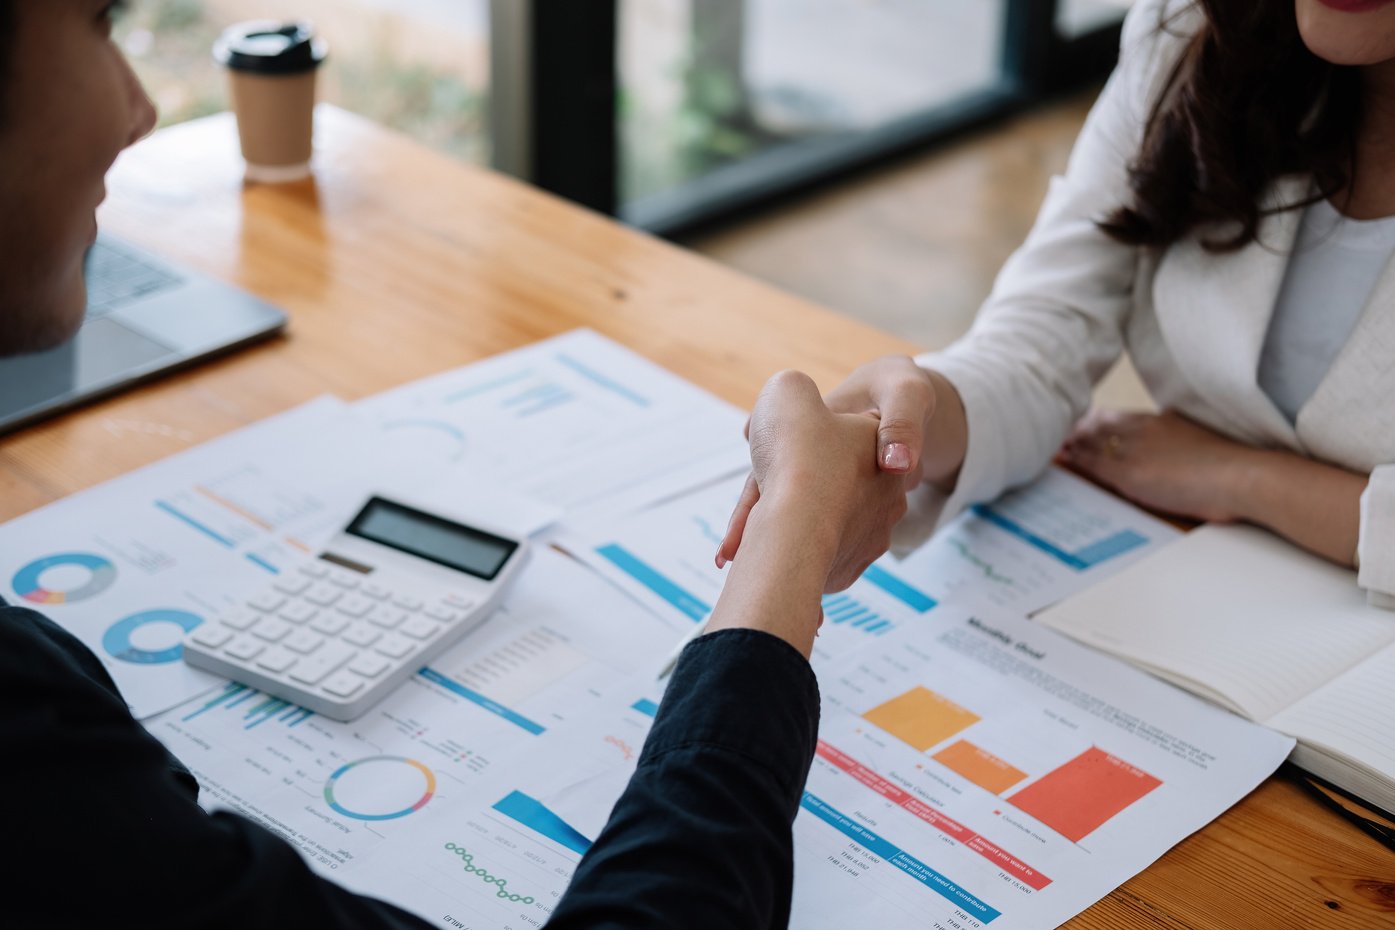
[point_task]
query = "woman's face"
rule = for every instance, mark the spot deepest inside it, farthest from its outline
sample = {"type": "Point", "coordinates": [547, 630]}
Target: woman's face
{"type": "Point", "coordinates": [1348, 32]}
{"type": "Point", "coordinates": [70, 105]}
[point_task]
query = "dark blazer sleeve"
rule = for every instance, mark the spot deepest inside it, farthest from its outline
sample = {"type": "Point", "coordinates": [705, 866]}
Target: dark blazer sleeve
{"type": "Point", "coordinates": [702, 837]}
{"type": "Point", "coordinates": [103, 824]}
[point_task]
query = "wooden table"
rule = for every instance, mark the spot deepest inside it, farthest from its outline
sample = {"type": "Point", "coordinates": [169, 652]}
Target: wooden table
{"type": "Point", "coordinates": [396, 263]}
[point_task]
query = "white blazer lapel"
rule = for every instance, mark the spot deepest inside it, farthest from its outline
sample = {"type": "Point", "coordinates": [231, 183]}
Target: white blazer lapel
{"type": "Point", "coordinates": [1214, 312]}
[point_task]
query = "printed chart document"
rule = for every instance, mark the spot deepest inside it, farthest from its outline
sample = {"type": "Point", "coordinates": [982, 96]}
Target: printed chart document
{"type": "Point", "coordinates": [984, 771]}
{"type": "Point", "coordinates": [132, 565]}
{"type": "Point", "coordinates": [578, 422]}
{"type": "Point", "coordinates": [973, 770]}
{"type": "Point", "coordinates": [1036, 545]}
{"type": "Point", "coordinates": [1249, 621]}
{"type": "Point", "coordinates": [1024, 551]}
{"type": "Point", "coordinates": [541, 663]}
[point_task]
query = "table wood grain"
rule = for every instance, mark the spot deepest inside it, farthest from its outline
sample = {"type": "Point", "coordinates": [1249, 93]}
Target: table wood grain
{"type": "Point", "coordinates": [396, 263]}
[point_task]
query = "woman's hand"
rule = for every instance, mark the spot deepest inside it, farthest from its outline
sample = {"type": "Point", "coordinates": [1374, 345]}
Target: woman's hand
{"type": "Point", "coordinates": [1163, 461]}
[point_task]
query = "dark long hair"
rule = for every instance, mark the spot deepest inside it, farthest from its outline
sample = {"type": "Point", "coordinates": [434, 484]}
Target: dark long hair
{"type": "Point", "coordinates": [1246, 104]}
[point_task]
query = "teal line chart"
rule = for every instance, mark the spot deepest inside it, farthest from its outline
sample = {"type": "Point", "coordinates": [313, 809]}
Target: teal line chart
{"type": "Point", "coordinates": [467, 860]}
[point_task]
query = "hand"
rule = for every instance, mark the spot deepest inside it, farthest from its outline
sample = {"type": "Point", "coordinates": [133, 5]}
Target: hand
{"type": "Point", "coordinates": [816, 469]}
{"type": "Point", "coordinates": [902, 396]}
{"type": "Point", "coordinates": [1163, 461]}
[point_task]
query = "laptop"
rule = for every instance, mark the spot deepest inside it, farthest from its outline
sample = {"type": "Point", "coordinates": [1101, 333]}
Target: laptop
{"type": "Point", "coordinates": [144, 316]}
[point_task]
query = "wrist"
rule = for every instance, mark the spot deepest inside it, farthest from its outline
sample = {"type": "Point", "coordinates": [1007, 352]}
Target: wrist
{"type": "Point", "coordinates": [1247, 485]}
{"type": "Point", "coordinates": [946, 435]}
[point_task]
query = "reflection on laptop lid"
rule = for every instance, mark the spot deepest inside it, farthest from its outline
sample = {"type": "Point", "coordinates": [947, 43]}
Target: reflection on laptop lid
{"type": "Point", "coordinates": [144, 316]}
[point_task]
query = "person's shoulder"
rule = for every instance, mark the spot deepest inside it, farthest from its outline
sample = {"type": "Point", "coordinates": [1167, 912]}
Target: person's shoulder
{"type": "Point", "coordinates": [1155, 35]}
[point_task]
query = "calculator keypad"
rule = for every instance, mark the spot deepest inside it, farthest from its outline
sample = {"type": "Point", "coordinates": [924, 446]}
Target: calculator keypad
{"type": "Point", "coordinates": [326, 630]}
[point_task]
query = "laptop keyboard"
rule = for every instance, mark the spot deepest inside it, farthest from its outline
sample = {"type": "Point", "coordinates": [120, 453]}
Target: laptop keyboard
{"type": "Point", "coordinates": [116, 277]}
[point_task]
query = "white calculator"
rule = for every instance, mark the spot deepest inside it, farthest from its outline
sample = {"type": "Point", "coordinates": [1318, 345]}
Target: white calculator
{"type": "Point", "coordinates": [337, 632]}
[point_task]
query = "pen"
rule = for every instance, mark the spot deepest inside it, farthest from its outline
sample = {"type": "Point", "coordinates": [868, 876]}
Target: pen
{"type": "Point", "coordinates": [672, 660]}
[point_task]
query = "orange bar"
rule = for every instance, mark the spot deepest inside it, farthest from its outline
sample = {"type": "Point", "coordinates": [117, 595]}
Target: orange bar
{"type": "Point", "coordinates": [982, 768]}
{"type": "Point", "coordinates": [1080, 796]}
{"type": "Point", "coordinates": [921, 718]}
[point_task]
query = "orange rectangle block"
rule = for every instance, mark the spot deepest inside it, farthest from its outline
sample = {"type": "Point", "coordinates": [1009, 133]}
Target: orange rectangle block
{"type": "Point", "coordinates": [1080, 796]}
{"type": "Point", "coordinates": [980, 767]}
{"type": "Point", "coordinates": [921, 718]}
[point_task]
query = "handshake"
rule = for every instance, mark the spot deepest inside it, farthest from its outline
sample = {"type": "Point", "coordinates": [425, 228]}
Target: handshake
{"type": "Point", "coordinates": [830, 476]}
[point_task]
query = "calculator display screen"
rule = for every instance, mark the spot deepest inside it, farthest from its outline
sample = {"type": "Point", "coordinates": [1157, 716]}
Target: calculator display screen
{"type": "Point", "coordinates": [431, 537]}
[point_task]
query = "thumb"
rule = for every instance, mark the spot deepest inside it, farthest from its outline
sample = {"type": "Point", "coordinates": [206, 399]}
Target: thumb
{"type": "Point", "coordinates": [900, 436]}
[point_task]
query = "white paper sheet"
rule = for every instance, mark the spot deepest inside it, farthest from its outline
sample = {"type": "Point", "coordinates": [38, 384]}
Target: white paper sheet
{"type": "Point", "coordinates": [577, 421]}
{"type": "Point", "coordinates": [540, 663]}
{"type": "Point", "coordinates": [1024, 551]}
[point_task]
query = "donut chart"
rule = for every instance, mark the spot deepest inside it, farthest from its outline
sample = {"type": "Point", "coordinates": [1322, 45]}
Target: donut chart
{"type": "Point", "coordinates": [117, 640]}
{"type": "Point", "coordinates": [101, 575]}
{"type": "Point", "coordinates": [383, 773]}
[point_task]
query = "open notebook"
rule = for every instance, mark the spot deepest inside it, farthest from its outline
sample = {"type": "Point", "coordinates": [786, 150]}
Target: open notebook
{"type": "Point", "coordinates": [1248, 621]}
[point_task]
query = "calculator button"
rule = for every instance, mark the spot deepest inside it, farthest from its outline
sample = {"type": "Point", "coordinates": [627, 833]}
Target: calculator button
{"type": "Point", "coordinates": [408, 602]}
{"type": "Point", "coordinates": [329, 624]}
{"type": "Point", "coordinates": [297, 612]}
{"type": "Point", "coordinates": [394, 646]}
{"type": "Point", "coordinates": [442, 613]}
{"type": "Point", "coordinates": [343, 684]}
{"type": "Point", "coordinates": [368, 665]}
{"type": "Point", "coordinates": [314, 569]}
{"type": "Point", "coordinates": [212, 635]}
{"type": "Point", "coordinates": [361, 634]}
{"type": "Point", "coordinates": [291, 584]}
{"type": "Point", "coordinates": [244, 647]}
{"type": "Point", "coordinates": [271, 629]}
{"type": "Point", "coordinates": [343, 578]}
{"type": "Point", "coordinates": [276, 659]}
{"type": "Point", "coordinates": [420, 628]}
{"type": "Point", "coordinates": [267, 601]}
{"type": "Point", "coordinates": [322, 593]}
{"type": "Point", "coordinates": [376, 591]}
{"type": "Point", "coordinates": [241, 618]}
{"type": "Point", "coordinates": [313, 669]}
{"type": "Point", "coordinates": [386, 617]}
{"type": "Point", "coordinates": [304, 642]}
{"type": "Point", "coordinates": [355, 605]}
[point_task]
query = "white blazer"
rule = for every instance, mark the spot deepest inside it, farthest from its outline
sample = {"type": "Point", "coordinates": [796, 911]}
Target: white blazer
{"type": "Point", "coordinates": [1072, 299]}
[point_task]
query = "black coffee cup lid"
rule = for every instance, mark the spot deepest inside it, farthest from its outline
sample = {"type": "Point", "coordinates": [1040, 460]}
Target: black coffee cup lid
{"type": "Point", "coordinates": [270, 47]}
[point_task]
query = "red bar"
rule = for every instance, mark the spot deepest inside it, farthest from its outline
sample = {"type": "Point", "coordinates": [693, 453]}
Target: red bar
{"type": "Point", "coordinates": [971, 840]}
{"type": "Point", "coordinates": [1082, 795]}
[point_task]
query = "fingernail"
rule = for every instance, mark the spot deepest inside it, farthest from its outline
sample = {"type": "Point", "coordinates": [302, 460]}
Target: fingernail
{"type": "Point", "coordinates": [897, 456]}
{"type": "Point", "coordinates": [721, 562]}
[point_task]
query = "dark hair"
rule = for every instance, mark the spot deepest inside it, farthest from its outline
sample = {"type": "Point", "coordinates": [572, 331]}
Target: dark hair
{"type": "Point", "coordinates": [1246, 104]}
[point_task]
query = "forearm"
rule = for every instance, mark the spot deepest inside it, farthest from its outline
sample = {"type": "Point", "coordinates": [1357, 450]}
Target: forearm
{"type": "Point", "coordinates": [946, 436]}
{"type": "Point", "coordinates": [1315, 505]}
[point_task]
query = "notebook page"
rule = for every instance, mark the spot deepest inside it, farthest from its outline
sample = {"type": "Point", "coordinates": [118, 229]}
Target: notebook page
{"type": "Point", "coordinates": [1236, 609]}
{"type": "Point", "coordinates": [1352, 716]}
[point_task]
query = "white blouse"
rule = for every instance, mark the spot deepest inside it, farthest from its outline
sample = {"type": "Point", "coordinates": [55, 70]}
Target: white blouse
{"type": "Point", "coordinates": [1335, 265]}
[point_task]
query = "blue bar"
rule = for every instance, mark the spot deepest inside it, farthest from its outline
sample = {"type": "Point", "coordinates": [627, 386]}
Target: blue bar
{"type": "Point", "coordinates": [646, 707]}
{"type": "Point", "coordinates": [304, 716]}
{"type": "Point", "coordinates": [595, 376]}
{"type": "Point", "coordinates": [916, 600]}
{"type": "Point", "coordinates": [195, 524]}
{"type": "Point", "coordinates": [533, 815]}
{"type": "Point", "coordinates": [290, 713]}
{"type": "Point", "coordinates": [533, 393]}
{"type": "Point", "coordinates": [268, 711]}
{"type": "Point", "coordinates": [843, 616]}
{"type": "Point", "coordinates": [246, 697]}
{"type": "Point", "coordinates": [494, 707]}
{"type": "Point", "coordinates": [487, 386]}
{"type": "Point", "coordinates": [863, 621]}
{"type": "Point", "coordinates": [553, 401]}
{"type": "Point", "coordinates": [1086, 558]}
{"type": "Point", "coordinates": [1108, 548]}
{"type": "Point", "coordinates": [899, 858]}
{"type": "Point", "coordinates": [879, 626]}
{"type": "Point", "coordinates": [227, 692]}
{"type": "Point", "coordinates": [833, 600]}
{"type": "Point", "coordinates": [689, 606]}
{"type": "Point", "coordinates": [258, 560]}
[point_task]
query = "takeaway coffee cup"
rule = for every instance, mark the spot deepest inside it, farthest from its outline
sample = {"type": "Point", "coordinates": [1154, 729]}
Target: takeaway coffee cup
{"type": "Point", "coordinates": [271, 73]}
